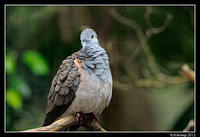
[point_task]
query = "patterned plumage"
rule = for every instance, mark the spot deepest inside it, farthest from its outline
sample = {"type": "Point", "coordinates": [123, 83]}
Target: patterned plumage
{"type": "Point", "coordinates": [83, 82]}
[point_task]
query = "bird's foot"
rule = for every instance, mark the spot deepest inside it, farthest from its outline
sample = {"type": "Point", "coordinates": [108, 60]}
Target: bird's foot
{"type": "Point", "coordinates": [79, 117]}
{"type": "Point", "coordinates": [82, 118]}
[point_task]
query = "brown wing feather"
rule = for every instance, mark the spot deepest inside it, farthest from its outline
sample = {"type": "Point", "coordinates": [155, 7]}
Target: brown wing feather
{"type": "Point", "coordinates": [63, 88]}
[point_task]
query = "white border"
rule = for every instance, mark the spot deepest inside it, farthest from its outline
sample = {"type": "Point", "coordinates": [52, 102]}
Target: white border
{"type": "Point", "coordinates": [117, 5]}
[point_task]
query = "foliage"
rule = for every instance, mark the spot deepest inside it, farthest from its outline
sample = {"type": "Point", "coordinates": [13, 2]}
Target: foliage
{"type": "Point", "coordinates": [13, 98]}
{"type": "Point", "coordinates": [17, 88]}
{"type": "Point", "coordinates": [36, 62]}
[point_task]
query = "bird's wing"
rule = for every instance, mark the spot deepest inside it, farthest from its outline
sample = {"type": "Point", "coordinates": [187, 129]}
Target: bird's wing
{"type": "Point", "coordinates": [63, 88]}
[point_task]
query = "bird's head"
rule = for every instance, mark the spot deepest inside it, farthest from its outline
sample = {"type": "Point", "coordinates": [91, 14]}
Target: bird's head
{"type": "Point", "coordinates": [88, 36]}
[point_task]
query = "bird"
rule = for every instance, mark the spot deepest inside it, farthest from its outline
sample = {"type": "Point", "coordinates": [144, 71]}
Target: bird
{"type": "Point", "coordinates": [83, 82]}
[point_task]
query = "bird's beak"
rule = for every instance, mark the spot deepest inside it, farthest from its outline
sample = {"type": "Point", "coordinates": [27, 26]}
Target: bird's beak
{"type": "Point", "coordinates": [84, 43]}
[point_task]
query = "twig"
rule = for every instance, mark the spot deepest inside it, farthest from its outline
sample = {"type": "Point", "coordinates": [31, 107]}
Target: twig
{"type": "Point", "coordinates": [160, 82]}
{"type": "Point", "coordinates": [71, 120]}
{"type": "Point", "coordinates": [57, 125]}
{"type": "Point", "coordinates": [147, 15]}
{"type": "Point", "coordinates": [152, 30]}
{"type": "Point", "coordinates": [131, 23]}
{"type": "Point", "coordinates": [190, 126]}
{"type": "Point", "coordinates": [189, 73]}
{"type": "Point", "coordinates": [141, 37]}
{"type": "Point", "coordinates": [121, 86]}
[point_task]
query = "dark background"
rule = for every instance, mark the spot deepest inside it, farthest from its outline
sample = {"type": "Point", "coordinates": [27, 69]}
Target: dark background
{"type": "Point", "coordinates": [147, 47]}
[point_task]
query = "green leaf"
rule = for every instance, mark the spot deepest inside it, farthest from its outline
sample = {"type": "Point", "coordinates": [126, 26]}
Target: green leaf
{"type": "Point", "coordinates": [36, 62]}
{"type": "Point", "coordinates": [14, 99]}
{"type": "Point", "coordinates": [10, 63]}
{"type": "Point", "coordinates": [20, 85]}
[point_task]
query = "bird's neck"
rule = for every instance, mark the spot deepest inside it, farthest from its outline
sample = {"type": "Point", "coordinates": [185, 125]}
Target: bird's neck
{"type": "Point", "coordinates": [91, 51]}
{"type": "Point", "coordinates": [90, 47]}
{"type": "Point", "coordinates": [94, 60]}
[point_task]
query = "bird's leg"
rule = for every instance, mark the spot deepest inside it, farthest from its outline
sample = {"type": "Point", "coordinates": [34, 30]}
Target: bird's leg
{"type": "Point", "coordinates": [82, 118]}
{"type": "Point", "coordinates": [78, 117]}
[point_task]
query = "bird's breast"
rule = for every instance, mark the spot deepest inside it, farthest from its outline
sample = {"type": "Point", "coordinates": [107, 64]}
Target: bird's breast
{"type": "Point", "coordinates": [93, 95]}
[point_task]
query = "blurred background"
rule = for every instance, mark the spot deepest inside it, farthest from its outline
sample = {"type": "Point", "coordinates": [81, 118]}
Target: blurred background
{"type": "Point", "coordinates": [147, 47]}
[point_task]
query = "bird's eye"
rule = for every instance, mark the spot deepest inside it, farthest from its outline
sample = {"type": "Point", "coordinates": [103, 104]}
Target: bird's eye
{"type": "Point", "coordinates": [92, 36]}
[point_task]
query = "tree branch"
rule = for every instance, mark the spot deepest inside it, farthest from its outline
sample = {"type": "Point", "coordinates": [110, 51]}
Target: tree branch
{"type": "Point", "coordinates": [131, 23]}
{"type": "Point", "coordinates": [188, 72]}
{"type": "Point", "coordinates": [152, 30]}
{"type": "Point", "coordinates": [90, 123]}
{"type": "Point", "coordinates": [141, 37]}
{"type": "Point", "coordinates": [190, 126]}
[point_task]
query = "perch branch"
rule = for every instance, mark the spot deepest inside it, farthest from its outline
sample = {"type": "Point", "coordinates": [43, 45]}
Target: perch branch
{"type": "Point", "coordinates": [190, 126]}
{"type": "Point", "coordinates": [89, 123]}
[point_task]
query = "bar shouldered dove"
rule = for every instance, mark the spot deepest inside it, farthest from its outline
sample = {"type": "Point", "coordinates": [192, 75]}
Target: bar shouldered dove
{"type": "Point", "coordinates": [83, 82]}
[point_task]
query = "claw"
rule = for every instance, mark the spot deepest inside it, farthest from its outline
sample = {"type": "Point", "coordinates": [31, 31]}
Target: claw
{"type": "Point", "coordinates": [77, 116]}
{"type": "Point", "coordinates": [80, 117]}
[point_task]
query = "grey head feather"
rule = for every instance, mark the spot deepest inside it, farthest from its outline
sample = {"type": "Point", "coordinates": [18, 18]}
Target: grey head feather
{"type": "Point", "coordinates": [88, 36]}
